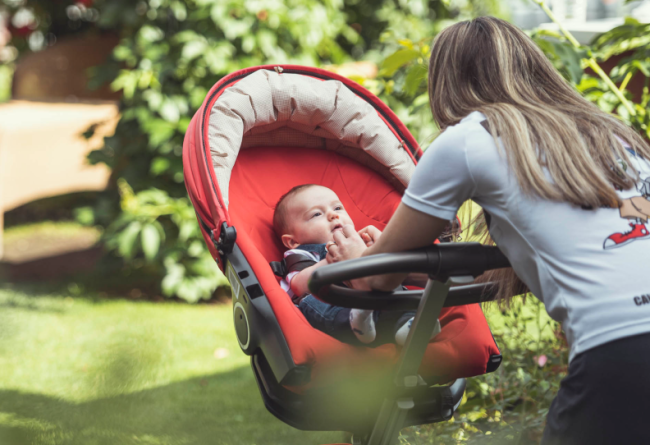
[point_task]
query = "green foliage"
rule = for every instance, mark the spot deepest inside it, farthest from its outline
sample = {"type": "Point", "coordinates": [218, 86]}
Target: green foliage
{"type": "Point", "coordinates": [566, 59]}
{"type": "Point", "coordinates": [508, 406]}
{"type": "Point", "coordinates": [153, 227]}
{"type": "Point", "coordinates": [6, 73]}
{"type": "Point", "coordinates": [402, 84]}
{"type": "Point", "coordinates": [629, 39]}
{"type": "Point", "coordinates": [171, 54]}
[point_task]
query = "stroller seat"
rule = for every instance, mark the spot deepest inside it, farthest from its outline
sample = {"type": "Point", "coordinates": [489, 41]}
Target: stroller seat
{"type": "Point", "coordinates": [260, 132]}
{"type": "Point", "coordinates": [259, 178]}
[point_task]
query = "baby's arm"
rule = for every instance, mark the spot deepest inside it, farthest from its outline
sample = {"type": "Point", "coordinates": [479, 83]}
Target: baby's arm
{"type": "Point", "coordinates": [299, 282]}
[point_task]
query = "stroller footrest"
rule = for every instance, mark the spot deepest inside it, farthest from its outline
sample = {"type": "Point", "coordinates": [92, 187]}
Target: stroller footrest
{"type": "Point", "coordinates": [336, 409]}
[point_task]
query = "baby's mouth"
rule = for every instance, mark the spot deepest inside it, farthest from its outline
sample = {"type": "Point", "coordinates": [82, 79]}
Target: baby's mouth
{"type": "Point", "coordinates": [337, 227]}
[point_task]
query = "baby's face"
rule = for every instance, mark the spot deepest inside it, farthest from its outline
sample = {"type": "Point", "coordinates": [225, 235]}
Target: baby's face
{"type": "Point", "coordinates": [314, 214]}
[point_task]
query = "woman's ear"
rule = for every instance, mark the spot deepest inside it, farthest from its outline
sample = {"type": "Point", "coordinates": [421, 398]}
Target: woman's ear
{"type": "Point", "coordinates": [289, 242]}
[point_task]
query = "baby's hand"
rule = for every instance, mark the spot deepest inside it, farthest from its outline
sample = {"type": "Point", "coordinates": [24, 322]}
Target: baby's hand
{"type": "Point", "coordinates": [370, 235]}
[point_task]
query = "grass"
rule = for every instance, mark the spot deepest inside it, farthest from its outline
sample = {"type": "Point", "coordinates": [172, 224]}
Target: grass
{"type": "Point", "coordinates": [79, 369]}
{"type": "Point", "coordinates": [56, 228]}
{"type": "Point", "coordinates": [91, 371]}
{"type": "Point", "coordinates": [6, 73]}
{"type": "Point", "coordinates": [42, 239]}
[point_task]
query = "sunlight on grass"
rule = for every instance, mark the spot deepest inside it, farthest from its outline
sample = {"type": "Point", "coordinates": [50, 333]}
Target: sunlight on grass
{"type": "Point", "coordinates": [33, 241]}
{"type": "Point", "coordinates": [79, 371]}
{"type": "Point", "coordinates": [57, 228]}
{"type": "Point", "coordinates": [6, 74]}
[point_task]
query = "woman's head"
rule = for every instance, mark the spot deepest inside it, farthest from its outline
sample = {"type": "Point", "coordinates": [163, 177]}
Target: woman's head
{"type": "Point", "coordinates": [545, 126]}
{"type": "Point", "coordinates": [487, 61]}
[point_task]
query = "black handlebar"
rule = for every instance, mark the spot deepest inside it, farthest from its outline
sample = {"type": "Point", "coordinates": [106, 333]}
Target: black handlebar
{"type": "Point", "coordinates": [441, 260]}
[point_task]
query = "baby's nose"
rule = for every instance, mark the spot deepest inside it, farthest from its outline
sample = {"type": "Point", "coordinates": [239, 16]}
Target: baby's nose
{"type": "Point", "coordinates": [334, 215]}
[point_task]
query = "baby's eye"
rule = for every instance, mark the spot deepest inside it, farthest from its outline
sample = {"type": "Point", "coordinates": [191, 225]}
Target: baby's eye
{"type": "Point", "coordinates": [338, 208]}
{"type": "Point", "coordinates": [316, 214]}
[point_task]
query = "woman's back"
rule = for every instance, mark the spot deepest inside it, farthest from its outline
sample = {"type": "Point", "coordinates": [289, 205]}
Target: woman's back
{"type": "Point", "coordinates": [589, 266]}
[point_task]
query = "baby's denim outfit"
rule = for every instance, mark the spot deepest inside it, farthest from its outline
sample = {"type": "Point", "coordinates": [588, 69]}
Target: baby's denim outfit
{"type": "Point", "coordinates": [335, 320]}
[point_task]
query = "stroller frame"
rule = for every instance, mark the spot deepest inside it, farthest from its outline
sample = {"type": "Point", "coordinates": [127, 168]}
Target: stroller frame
{"type": "Point", "coordinates": [407, 399]}
{"type": "Point", "coordinates": [410, 400]}
{"type": "Point", "coordinates": [452, 264]}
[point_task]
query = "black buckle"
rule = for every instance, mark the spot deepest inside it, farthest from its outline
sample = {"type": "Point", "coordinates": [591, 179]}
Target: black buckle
{"type": "Point", "coordinates": [226, 241]}
{"type": "Point", "coordinates": [279, 268]}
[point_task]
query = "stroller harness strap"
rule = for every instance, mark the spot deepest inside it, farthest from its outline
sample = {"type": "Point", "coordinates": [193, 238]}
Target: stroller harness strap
{"type": "Point", "coordinates": [292, 263]}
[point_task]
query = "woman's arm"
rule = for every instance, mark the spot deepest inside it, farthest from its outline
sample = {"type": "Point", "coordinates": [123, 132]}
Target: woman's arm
{"type": "Point", "coordinates": [299, 283]}
{"type": "Point", "coordinates": [407, 229]}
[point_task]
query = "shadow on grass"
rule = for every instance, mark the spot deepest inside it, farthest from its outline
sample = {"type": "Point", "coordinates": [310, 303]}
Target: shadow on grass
{"type": "Point", "coordinates": [94, 290]}
{"type": "Point", "coordinates": [213, 409]}
{"type": "Point", "coordinates": [30, 306]}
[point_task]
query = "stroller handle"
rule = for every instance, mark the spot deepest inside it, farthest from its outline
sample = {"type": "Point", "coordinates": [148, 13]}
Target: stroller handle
{"type": "Point", "coordinates": [441, 260]}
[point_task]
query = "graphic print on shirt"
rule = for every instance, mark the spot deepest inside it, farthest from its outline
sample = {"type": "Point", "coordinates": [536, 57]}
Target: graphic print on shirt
{"type": "Point", "coordinates": [637, 211]}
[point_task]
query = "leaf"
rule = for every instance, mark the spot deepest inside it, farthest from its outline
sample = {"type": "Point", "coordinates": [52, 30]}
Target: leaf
{"type": "Point", "coordinates": [154, 98]}
{"type": "Point", "coordinates": [127, 239]}
{"type": "Point", "coordinates": [422, 99]}
{"type": "Point", "coordinates": [174, 276]}
{"type": "Point", "coordinates": [179, 10]}
{"type": "Point", "coordinates": [406, 43]}
{"type": "Point", "coordinates": [415, 78]}
{"type": "Point", "coordinates": [588, 83]}
{"type": "Point", "coordinates": [187, 229]}
{"type": "Point", "coordinates": [127, 82]}
{"type": "Point", "coordinates": [267, 42]}
{"type": "Point", "coordinates": [150, 34]}
{"type": "Point", "coordinates": [571, 60]}
{"type": "Point", "coordinates": [150, 241]}
{"type": "Point", "coordinates": [397, 60]}
{"type": "Point", "coordinates": [193, 49]}
{"type": "Point", "coordinates": [159, 131]}
{"type": "Point", "coordinates": [169, 111]}
{"type": "Point", "coordinates": [159, 165]}
{"type": "Point", "coordinates": [643, 66]}
{"type": "Point", "coordinates": [84, 215]}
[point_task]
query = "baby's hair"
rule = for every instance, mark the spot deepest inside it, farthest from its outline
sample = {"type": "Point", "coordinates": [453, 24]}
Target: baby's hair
{"type": "Point", "coordinates": [279, 214]}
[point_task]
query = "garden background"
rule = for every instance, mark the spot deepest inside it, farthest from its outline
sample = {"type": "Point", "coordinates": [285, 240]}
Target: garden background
{"type": "Point", "coordinates": [98, 343]}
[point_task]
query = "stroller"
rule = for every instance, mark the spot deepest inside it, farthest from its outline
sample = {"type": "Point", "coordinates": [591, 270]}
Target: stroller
{"type": "Point", "coordinates": [263, 130]}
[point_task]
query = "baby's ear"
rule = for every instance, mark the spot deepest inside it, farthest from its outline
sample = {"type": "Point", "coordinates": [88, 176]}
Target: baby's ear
{"type": "Point", "coordinates": [289, 242]}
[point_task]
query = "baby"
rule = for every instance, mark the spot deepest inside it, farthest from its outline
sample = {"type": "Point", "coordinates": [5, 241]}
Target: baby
{"type": "Point", "coordinates": [306, 219]}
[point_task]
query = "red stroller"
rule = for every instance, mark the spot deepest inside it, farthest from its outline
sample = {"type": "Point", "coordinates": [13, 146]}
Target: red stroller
{"type": "Point", "coordinates": [263, 130]}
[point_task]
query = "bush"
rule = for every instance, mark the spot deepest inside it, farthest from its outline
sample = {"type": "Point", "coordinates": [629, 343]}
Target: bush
{"type": "Point", "coordinates": [508, 406]}
{"type": "Point", "coordinates": [167, 61]}
{"type": "Point", "coordinates": [170, 56]}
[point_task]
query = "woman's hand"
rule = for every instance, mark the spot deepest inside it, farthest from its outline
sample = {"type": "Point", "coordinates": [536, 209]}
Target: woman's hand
{"type": "Point", "coordinates": [370, 235]}
{"type": "Point", "coordinates": [407, 229]}
{"type": "Point", "coordinates": [346, 246]}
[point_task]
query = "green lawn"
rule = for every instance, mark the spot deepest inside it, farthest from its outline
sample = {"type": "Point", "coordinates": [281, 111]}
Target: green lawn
{"type": "Point", "coordinates": [84, 371]}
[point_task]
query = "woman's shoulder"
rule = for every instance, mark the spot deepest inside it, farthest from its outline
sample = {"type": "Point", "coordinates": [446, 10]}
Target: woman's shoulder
{"type": "Point", "coordinates": [471, 131]}
{"type": "Point", "coordinates": [470, 142]}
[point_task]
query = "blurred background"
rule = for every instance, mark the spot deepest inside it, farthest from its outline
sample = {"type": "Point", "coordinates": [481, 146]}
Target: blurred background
{"type": "Point", "coordinates": [115, 323]}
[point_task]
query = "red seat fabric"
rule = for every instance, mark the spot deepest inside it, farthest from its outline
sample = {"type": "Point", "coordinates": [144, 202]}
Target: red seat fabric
{"type": "Point", "coordinates": [260, 176]}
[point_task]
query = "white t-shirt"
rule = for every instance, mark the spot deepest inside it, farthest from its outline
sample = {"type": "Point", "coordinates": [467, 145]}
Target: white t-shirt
{"type": "Point", "coordinates": [591, 268]}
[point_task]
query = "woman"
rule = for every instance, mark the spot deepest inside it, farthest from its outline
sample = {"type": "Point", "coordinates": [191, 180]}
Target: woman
{"type": "Point", "coordinates": [566, 189]}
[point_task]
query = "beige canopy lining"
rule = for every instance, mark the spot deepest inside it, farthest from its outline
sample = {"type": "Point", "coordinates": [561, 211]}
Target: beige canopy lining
{"type": "Point", "coordinates": [271, 109]}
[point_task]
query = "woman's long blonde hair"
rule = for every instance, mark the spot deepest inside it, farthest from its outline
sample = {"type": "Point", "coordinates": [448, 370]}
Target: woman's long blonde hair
{"type": "Point", "coordinates": [491, 66]}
